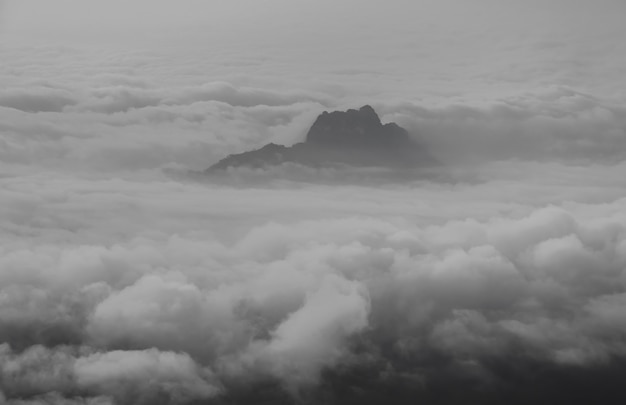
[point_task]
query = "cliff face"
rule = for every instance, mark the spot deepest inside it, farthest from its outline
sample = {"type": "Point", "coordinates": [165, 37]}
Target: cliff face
{"type": "Point", "coordinates": [357, 129]}
{"type": "Point", "coordinates": [353, 137]}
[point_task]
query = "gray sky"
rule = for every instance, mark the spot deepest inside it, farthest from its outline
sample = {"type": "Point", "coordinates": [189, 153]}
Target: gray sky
{"type": "Point", "coordinates": [479, 47]}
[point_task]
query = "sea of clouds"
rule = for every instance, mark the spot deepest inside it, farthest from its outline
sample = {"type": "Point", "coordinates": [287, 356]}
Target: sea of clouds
{"type": "Point", "coordinates": [128, 278]}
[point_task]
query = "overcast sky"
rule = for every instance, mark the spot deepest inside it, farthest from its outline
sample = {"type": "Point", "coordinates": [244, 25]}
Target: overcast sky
{"type": "Point", "coordinates": [475, 48]}
{"type": "Point", "coordinates": [126, 280]}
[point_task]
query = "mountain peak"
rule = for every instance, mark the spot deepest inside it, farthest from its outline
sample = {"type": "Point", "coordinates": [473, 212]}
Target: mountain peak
{"type": "Point", "coordinates": [353, 137]}
{"type": "Point", "coordinates": [353, 128]}
{"type": "Point", "coordinates": [368, 110]}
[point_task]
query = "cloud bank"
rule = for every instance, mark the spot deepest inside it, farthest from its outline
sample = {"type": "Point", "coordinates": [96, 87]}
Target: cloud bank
{"type": "Point", "coordinates": [399, 295]}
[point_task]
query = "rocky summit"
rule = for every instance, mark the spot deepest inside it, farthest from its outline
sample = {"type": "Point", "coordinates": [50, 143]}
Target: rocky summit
{"type": "Point", "coordinates": [356, 128]}
{"type": "Point", "coordinates": [352, 137]}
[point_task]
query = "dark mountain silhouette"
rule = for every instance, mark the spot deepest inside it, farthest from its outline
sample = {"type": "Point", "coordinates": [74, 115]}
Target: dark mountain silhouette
{"type": "Point", "coordinates": [353, 137]}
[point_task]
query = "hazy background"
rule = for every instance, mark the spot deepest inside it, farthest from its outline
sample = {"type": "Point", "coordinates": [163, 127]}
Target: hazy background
{"type": "Point", "coordinates": [123, 281]}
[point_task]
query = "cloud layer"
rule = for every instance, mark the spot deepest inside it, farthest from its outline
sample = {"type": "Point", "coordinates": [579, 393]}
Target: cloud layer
{"type": "Point", "coordinates": [106, 286]}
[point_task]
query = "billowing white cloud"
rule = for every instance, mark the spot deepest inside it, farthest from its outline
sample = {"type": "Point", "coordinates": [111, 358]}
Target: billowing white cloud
{"type": "Point", "coordinates": [139, 377]}
{"type": "Point", "coordinates": [145, 376]}
{"type": "Point", "coordinates": [201, 302]}
{"type": "Point", "coordinates": [311, 338]}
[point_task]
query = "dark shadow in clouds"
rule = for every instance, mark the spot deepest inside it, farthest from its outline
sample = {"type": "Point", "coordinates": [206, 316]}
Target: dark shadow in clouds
{"type": "Point", "coordinates": [441, 380]}
{"type": "Point", "coordinates": [37, 100]}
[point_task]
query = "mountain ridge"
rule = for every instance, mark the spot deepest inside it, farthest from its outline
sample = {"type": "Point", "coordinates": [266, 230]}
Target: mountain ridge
{"type": "Point", "coordinates": [352, 137]}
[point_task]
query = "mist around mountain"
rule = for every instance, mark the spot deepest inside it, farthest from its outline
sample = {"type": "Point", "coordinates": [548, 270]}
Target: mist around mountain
{"type": "Point", "coordinates": [355, 138]}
